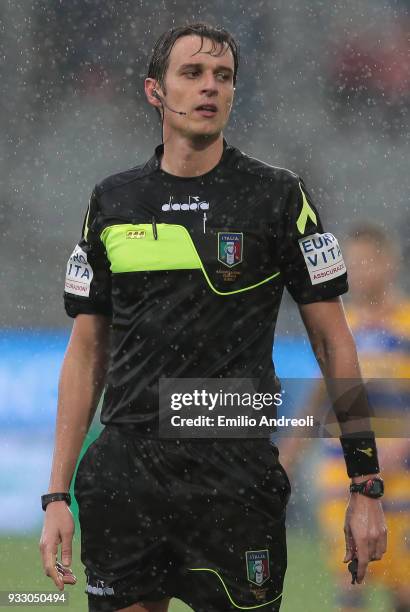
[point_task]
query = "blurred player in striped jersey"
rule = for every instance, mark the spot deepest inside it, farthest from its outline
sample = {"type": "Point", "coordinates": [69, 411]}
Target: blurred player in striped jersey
{"type": "Point", "coordinates": [379, 316]}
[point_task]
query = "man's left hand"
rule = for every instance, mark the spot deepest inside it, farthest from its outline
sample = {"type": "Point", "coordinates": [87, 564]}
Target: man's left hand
{"type": "Point", "coordinates": [365, 532]}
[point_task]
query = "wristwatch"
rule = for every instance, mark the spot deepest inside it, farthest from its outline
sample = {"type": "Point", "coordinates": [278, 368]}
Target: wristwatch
{"type": "Point", "coordinates": [374, 487]}
{"type": "Point", "coordinates": [52, 497]}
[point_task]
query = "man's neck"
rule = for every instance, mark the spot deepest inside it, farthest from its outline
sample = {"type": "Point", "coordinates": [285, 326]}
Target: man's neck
{"type": "Point", "coordinates": [183, 157]}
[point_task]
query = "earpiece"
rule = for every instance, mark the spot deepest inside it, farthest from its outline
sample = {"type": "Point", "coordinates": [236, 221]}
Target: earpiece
{"type": "Point", "coordinates": [156, 95]}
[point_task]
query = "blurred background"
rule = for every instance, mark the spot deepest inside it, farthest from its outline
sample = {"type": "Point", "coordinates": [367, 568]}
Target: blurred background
{"type": "Point", "coordinates": [323, 89]}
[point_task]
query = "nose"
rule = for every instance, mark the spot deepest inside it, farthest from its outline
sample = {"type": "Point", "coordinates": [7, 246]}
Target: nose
{"type": "Point", "coordinates": [209, 85]}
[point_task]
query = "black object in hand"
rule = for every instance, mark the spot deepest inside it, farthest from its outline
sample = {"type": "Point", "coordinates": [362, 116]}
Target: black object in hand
{"type": "Point", "coordinates": [352, 567]}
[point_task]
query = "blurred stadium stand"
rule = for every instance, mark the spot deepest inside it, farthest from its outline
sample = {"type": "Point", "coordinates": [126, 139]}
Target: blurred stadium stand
{"type": "Point", "coordinates": [323, 89]}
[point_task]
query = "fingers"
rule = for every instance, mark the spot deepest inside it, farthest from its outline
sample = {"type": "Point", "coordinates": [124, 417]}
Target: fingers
{"type": "Point", "coordinates": [381, 544]}
{"type": "Point", "coordinates": [63, 568]}
{"type": "Point", "coordinates": [66, 548]}
{"type": "Point", "coordinates": [378, 545]}
{"type": "Point", "coordinates": [365, 532]}
{"type": "Point", "coordinates": [365, 549]}
{"type": "Point", "coordinates": [58, 529]}
{"type": "Point", "coordinates": [49, 555]}
{"type": "Point", "coordinates": [60, 573]}
{"type": "Point", "coordinates": [350, 553]}
{"type": "Point", "coordinates": [362, 554]}
{"type": "Point", "coordinates": [350, 545]}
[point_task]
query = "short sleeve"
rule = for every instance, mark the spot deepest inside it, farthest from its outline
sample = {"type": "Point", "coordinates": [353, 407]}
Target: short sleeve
{"type": "Point", "coordinates": [310, 259]}
{"type": "Point", "coordinates": [88, 277]}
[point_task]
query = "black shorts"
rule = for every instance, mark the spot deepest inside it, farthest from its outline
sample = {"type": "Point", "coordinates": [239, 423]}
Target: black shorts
{"type": "Point", "coordinates": [200, 520]}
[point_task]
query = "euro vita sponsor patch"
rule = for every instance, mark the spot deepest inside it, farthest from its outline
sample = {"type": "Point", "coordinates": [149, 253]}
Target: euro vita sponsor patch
{"type": "Point", "coordinates": [323, 257]}
{"type": "Point", "coordinates": [79, 273]}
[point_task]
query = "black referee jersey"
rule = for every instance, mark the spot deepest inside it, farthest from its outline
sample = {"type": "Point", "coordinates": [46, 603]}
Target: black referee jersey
{"type": "Point", "coordinates": [192, 272]}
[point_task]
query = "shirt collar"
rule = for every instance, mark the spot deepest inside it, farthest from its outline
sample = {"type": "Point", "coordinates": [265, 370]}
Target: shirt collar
{"type": "Point", "coordinates": [155, 162]}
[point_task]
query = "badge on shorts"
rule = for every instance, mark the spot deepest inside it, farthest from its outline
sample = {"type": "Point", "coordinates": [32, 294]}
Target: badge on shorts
{"type": "Point", "coordinates": [257, 566]}
{"type": "Point", "coordinates": [230, 248]}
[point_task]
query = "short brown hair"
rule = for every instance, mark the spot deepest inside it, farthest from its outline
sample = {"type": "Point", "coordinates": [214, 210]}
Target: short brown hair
{"type": "Point", "coordinates": [382, 239]}
{"type": "Point", "coordinates": [372, 232]}
{"type": "Point", "coordinates": [220, 38]}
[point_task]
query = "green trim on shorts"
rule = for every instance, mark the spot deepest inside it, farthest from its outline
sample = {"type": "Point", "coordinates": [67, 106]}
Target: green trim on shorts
{"type": "Point", "coordinates": [255, 607]}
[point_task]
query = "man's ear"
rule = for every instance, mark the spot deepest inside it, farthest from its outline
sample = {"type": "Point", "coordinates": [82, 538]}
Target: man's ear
{"type": "Point", "coordinates": [151, 87]}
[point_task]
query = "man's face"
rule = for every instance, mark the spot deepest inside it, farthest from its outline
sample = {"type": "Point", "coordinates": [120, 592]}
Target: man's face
{"type": "Point", "coordinates": [199, 84]}
{"type": "Point", "coordinates": [371, 270]}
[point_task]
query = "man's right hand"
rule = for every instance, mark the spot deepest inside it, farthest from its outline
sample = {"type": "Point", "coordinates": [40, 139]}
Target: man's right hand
{"type": "Point", "coordinates": [58, 529]}
{"type": "Point", "coordinates": [81, 383]}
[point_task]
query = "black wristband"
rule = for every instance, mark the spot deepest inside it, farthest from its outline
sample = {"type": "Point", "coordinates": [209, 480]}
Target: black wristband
{"type": "Point", "coordinates": [360, 453]}
{"type": "Point", "coordinates": [52, 497]}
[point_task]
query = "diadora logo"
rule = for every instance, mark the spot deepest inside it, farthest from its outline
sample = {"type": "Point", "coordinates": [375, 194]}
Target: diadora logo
{"type": "Point", "coordinates": [98, 587]}
{"type": "Point", "coordinates": [194, 203]}
{"type": "Point", "coordinates": [135, 234]}
{"type": "Point", "coordinates": [366, 451]}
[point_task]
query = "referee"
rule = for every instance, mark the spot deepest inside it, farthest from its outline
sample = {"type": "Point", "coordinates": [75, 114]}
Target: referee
{"type": "Point", "coordinates": [179, 273]}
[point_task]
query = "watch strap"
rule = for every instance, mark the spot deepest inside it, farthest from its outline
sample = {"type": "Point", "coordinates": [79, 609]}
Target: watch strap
{"type": "Point", "coordinates": [365, 487]}
{"type": "Point", "coordinates": [52, 497]}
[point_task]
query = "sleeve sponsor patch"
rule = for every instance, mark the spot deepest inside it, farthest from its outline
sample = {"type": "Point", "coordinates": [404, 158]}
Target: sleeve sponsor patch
{"type": "Point", "coordinates": [79, 273]}
{"type": "Point", "coordinates": [323, 257]}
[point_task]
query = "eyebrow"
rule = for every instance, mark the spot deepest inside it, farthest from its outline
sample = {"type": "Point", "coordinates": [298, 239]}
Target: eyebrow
{"type": "Point", "coordinates": [199, 65]}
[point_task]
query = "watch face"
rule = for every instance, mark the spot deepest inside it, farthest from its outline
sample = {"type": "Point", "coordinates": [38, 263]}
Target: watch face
{"type": "Point", "coordinates": [377, 487]}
